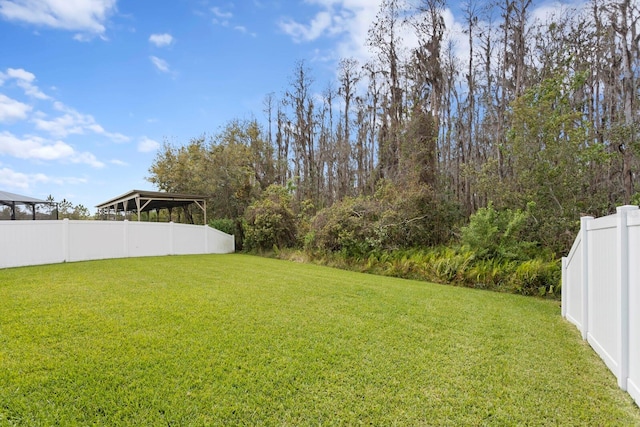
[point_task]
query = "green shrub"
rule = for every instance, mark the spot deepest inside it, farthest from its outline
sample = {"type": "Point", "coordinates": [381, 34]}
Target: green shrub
{"type": "Point", "coordinates": [270, 222]}
{"type": "Point", "coordinates": [395, 217]}
{"type": "Point", "coordinates": [414, 215]}
{"type": "Point", "coordinates": [347, 227]}
{"type": "Point", "coordinates": [223, 224]}
{"type": "Point", "coordinates": [498, 234]}
{"type": "Point", "coordinates": [366, 234]}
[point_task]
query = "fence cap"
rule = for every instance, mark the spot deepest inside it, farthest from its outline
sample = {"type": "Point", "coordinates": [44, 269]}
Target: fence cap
{"type": "Point", "coordinates": [626, 208]}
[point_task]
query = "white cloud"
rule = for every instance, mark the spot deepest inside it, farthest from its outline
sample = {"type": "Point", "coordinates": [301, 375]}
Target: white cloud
{"type": "Point", "coordinates": [20, 74]}
{"type": "Point", "coordinates": [85, 37]}
{"type": "Point", "coordinates": [225, 19]}
{"type": "Point", "coordinates": [118, 162]}
{"type": "Point", "coordinates": [73, 123]}
{"type": "Point", "coordinates": [161, 40]}
{"type": "Point", "coordinates": [146, 145]}
{"type": "Point", "coordinates": [347, 20]}
{"type": "Point", "coordinates": [160, 64]}
{"type": "Point", "coordinates": [36, 148]}
{"type": "Point", "coordinates": [221, 14]}
{"type": "Point", "coordinates": [555, 9]}
{"type": "Point", "coordinates": [12, 110]}
{"type": "Point", "coordinates": [86, 158]}
{"type": "Point", "coordinates": [12, 179]}
{"type": "Point", "coordinates": [60, 127]}
{"type": "Point", "coordinates": [318, 26]}
{"type": "Point", "coordinates": [24, 80]}
{"type": "Point", "coordinates": [85, 16]}
{"type": "Point", "coordinates": [244, 30]}
{"type": "Point", "coordinates": [116, 137]}
{"type": "Point", "coordinates": [33, 147]}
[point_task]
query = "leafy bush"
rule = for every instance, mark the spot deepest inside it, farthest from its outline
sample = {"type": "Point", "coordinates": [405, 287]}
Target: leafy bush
{"type": "Point", "coordinates": [393, 218]}
{"type": "Point", "coordinates": [270, 222]}
{"type": "Point", "coordinates": [223, 224]}
{"type": "Point", "coordinates": [347, 227]}
{"type": "Point", "coordinates": [498, 234]}
{"type": "Point", "coordinates": [414, 215]}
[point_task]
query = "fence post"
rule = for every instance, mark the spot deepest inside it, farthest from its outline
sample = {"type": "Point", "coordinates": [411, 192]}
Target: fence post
{"type": "Point", "coordinates": [125, 238]}
{"type": "Point", "coordinates": [172, 249]}
{"type": "Point", "coordinates": [206, 239]}
{"type": "Point", "coordinates": [65, 239]}
{"type": "Point", "coordinates": [584, 223]}
{"type": "Point", "coordinates": [622, 284]}
{"type": "Point", "coordinates": [563, 288]}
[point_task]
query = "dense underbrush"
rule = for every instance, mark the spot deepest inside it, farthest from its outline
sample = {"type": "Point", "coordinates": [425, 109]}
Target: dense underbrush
{"type": "Point", "coordinates": [409, 233]}
{"type": "Point", "coordinates": [458, 267]}
{"type": "Point", "coordinates": [494, 251]}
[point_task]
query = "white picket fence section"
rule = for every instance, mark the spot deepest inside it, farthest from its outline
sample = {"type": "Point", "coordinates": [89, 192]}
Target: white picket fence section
{"type": "Point", "coordinates": [49, 242]}
{"type": "Point", "coordinates": [601, 291]}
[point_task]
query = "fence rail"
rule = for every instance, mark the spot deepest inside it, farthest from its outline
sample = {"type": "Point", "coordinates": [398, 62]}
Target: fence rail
{"type": "Point", "coordinates": [49, 242]}
{"type": "Point", "coordinates": [601, 291]}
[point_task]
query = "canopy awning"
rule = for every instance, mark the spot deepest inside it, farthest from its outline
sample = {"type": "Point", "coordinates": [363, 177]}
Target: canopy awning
{"type": "Point", "coordinates": [139, 201]}
{"type": "Point", "coordinates": [12, 199]}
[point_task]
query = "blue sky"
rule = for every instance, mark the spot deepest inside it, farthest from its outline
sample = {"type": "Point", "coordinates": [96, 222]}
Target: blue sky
{"type": "Point", "coordinates": [89, 89]}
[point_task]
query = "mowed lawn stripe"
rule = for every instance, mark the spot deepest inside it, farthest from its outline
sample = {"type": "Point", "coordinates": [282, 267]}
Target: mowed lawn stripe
{"type": "Point", "coordinates": [243, 340]}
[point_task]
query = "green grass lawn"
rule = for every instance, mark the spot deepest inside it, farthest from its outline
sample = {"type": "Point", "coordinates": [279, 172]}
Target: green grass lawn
{"type": "Point", "coordinates": [242, 340]}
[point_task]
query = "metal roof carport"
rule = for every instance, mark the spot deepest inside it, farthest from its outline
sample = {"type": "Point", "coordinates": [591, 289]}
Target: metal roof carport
{"type": "Point", "coordinates": [138, 201]}
{"type": "Point", "coordinates": [11, 200]}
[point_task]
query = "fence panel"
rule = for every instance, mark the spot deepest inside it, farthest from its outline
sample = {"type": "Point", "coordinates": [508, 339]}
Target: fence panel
{"type": "Point", "coordinates": [602, 270]}
{"type": "Point", "coordinates": [148, 238]}
{"type": "Point", "coordinates": [602, 293]}
{"type": "Point", "coordinates": [219, 242]}
{"type": "Point", "coordinates": [31, 242]}
{"type": "Point", "coordinates": [572, 292]}
{"type": "Point", "coordinates": [48, 242]}
{"type": "Point", "coordinates": [89, 240]}
{"type": "Point", "coordinates": [191, 239]}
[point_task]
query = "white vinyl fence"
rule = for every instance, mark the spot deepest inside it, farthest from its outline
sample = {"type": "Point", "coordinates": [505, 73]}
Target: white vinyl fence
{"type": "Point", "coordinates": [48, 242]}
{"type": "Point", "coordinates": [601, 291]}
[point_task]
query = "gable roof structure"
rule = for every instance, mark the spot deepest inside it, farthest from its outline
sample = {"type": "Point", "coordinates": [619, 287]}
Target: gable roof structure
{"type": "Point", "coordinates": [12, 199]}
{"type": "Point", "coordinates": [138, 201]}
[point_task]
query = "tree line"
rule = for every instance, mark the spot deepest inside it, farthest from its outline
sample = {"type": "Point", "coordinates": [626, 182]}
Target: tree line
{"type": "Point", "coordinates": [539, 119]}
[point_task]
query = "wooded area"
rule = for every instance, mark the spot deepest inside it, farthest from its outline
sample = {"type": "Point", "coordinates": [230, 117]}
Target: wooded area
{"type": "Point", "coordinates": [539, 120]}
